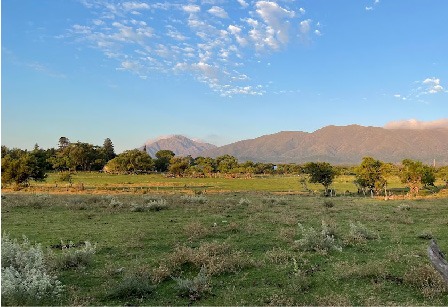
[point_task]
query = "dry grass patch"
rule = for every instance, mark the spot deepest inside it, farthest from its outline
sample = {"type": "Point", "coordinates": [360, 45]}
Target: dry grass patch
{"type": "Point", "coordinates": [216, 257]}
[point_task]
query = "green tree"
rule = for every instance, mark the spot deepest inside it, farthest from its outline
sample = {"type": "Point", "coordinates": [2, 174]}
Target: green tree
{"type": "Point", "coordinates": [108, 150]}
{"type": "Point", "coordinates": [206, 165]}
{"type": "Point", "coordinates": [163, 160]}
{"type": "Point", "coordinates": [131, 162]}
{"type": "Point", "coordinates": [20, 166]}
{"type": "Point", "coordinates": [321, 172]}
{"type": "Point", "coordinates": [370, 175]}
{"type": "Point", "coordinates": [63, 142]}
{"type": "Point", "coordinates": [226, 163]}
{"type": "Point", "coordinates": [442, 173]}
{"type": "Point", "coordinates": [415, 174]}
{"type": "Point", "coordinates": [178, 165]}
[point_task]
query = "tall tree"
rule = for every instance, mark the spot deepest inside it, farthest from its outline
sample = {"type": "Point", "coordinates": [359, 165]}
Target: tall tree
{"type": "Point", "coordinates": [63, 142]}
{"type": "Point", "coordinates": [414, 174]}
{"type": "Point", "coordinates": [163, 159]}
{"type": "Point", "coordinates": [321, 172]}
{"type": "Point", "coordinates": [370, 175]}
{"type": "Point", "coordinates": [108, 149]}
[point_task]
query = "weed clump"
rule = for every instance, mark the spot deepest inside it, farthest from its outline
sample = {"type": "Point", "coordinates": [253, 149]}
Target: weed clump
{"type": "Point", "coordinates": [244, 202]}
{"type": "Point", "coordinates": [328, 204]}
{"type": "Point", "coordinates": [360, 233]}
{"type": "Point", "coordinates": [217, 257]}
{"type": "Point", "coordinates": [73, 257]}
{"type": "Point", "coordinates": [319, 241]}
{"type": "Point", "coordinates": [151, 205]}
{"type": "Point", "coordinates": [136, 285]}
{"type": "Point", "coordinates": [195, 287]}
{"type": "Point", "coordinates": [275, 201]}
{"type": "Point", "coordinates": [195, 230]}
{"type": "Point", "coordinates": [427, 280]}
{"type": "Point", "coordinates": [194, 199]}
{"type": "Point", "coordinates": [25, 277]}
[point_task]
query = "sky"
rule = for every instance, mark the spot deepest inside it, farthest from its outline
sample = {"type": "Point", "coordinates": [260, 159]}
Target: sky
{"type": "Point", "coordinates": [217, 70]}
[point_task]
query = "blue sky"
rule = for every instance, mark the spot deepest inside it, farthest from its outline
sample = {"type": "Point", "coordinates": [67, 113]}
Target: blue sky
{"type": "Point", "coordinates": [217, 70]}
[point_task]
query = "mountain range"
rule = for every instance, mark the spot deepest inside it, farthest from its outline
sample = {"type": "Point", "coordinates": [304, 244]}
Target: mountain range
{"type": "Point", "coordinates": [333, 144]}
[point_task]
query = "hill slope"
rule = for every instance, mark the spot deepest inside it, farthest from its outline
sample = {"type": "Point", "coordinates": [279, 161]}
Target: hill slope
{"type": "Point", "coordinates": [342, 145]}
{"type": "Point", "coordinates": [179, 144]}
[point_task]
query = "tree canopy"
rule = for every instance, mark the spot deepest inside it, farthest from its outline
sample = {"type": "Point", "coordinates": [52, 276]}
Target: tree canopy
{"type": "Point", "coordinates": [321, 172]}
{"type": "Point", "coordinates": [370, 175]}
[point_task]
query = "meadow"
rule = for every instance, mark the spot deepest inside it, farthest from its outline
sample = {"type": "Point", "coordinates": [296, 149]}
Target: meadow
{"type": "Point", "coordinates": [215, 241]}
{"type": "Point", "coordinates": [102, 183]}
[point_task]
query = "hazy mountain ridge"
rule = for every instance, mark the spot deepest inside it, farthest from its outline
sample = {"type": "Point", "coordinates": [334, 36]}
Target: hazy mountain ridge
{"type": "Point", "coordinates": [342, 145]}
{"type": "Point", "coordinates": [180, 145]}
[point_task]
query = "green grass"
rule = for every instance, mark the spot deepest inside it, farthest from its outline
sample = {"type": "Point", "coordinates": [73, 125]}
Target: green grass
{"type": "Point", "coordinates": [93, 182]}
{"type": "Point", "coordinates": [267, 266]}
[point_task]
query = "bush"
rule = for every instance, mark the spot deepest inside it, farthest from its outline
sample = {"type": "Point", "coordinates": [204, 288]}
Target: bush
{"type": "Point", "coordinates": [151, 205]}
{"type": "Point", "coordinates": [217, 257]}
{"type": "Point", "coordinates": [137, 285]}
{"type": "Point", "coordinates": [194, 288]}
{"type": "Point", "coordinates": [25, 277]}
{"type": "Point", "coordinates": [359, 232]}
{"type": "Point", "coordinates": [320, 241]}
{"type": "Point", "coordinates": [73, 257]}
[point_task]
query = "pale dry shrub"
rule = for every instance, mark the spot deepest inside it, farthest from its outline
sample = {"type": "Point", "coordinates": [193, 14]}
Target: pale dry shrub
{"type": "Point", "coordinates": [150, 205]}
{"type": "Point", "coordinates": [194, 199]}
{"type": "Point", "coordinates": [319, 241]}
{"type": "Point", "coordinates": [196, 287]}
{"type": "Point", "coordinates": [74, 257]}
{"type": "Point", "coordinates": [25, 276]}
{"type": "Point", "coordinates": [360, 233]}
{"type": "Point", "coordinates": [244, 201]}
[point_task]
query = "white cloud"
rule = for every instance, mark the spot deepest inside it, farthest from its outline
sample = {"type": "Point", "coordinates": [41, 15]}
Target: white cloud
{"type": "Point", "coordinates": [305, 26]}
{"type": "Point", "coordinates": [132, 6]}
{"type": "Point", "coordinates": [417, 124]}
{"type": "Point", "coordinates": [433, 85]}
{"type": "Point", "coordinates": [277, 20]}
{"type": "Point", "coordinates": [243, 3]}
{"type": "Point", "coordinates": [372, 6]}
{"type": "Point", "coordinates": [218, 12]}
{"type": "Point", "coordinates": [191, 8]}
{"type": "Point", "coordinates": [191, 37]}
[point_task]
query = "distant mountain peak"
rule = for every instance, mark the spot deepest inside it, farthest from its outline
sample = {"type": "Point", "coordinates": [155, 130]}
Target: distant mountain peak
{"type": "Point", "coordinates": [179, 144]}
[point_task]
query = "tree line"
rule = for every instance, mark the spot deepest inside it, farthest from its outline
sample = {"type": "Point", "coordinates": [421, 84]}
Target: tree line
{"type": "Point", "coordinates": [20, 166]}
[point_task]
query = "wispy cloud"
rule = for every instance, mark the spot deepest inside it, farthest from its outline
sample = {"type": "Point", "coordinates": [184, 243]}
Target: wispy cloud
{"type": "Point", "coordinates": [45, 69]}
{"type": "Point", "coordinates": [372, 5]}
{"type": "Point", "coordinates": [422, 89]}
{"type": "Point", "coordinates": [208, 39]}
{"type": "Point", "coordinates": [417, 124]}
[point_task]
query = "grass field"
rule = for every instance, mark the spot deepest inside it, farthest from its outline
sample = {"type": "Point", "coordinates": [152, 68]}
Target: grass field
{"type": "Point", "coordinates": [251, 244]}
{"type": "Point", "coordinates": [101, 183]}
